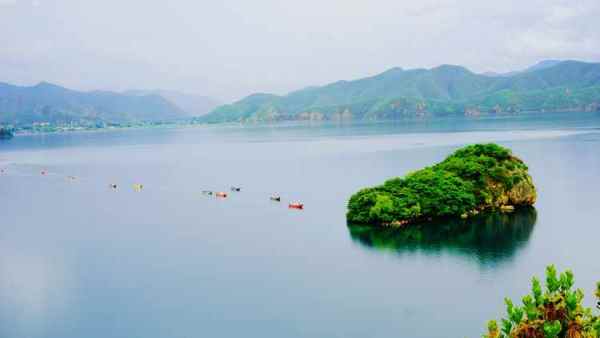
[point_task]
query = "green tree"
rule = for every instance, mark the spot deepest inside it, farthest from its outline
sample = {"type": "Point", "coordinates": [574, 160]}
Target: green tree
{"type": "Point", "coordinates": [550, 312]}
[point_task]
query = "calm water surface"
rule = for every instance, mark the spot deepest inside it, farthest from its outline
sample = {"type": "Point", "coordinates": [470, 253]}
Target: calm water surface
{"type": "Point", "coordinates": [80, 260]}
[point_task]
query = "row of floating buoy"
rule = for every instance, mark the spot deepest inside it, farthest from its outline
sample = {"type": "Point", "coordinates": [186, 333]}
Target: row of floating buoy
{"type": "Point", "coordinates": [219, 194]}
{"type": "Point", "coordinates": [136, 187]}
{"type": "Point", "coordinates": [274, 198]}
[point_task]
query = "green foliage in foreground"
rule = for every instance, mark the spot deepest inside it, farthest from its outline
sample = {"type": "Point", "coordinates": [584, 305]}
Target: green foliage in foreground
{"type": "Point", "coordinates": [551, 312]}
{"type": "Point", "coordinates": [473, 179]}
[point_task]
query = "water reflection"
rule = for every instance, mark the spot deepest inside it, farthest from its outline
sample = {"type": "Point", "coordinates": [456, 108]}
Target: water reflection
{"type": "Point", "coordinates": [490, 238]}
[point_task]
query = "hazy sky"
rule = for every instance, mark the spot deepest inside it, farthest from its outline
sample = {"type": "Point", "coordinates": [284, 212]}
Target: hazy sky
{"type": "Point", "coordinates": [230, 48]}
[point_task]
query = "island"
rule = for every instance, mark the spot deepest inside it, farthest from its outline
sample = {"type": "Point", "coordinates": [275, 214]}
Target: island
{"type": "Point", "coordinates": [474, 179]}
{"type": "Point", "coordinates": [5, 133]}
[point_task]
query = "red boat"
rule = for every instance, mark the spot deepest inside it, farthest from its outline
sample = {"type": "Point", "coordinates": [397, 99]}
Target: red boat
{"type": "Point", "coordinates": [296, 206]}
{"type": "Point", "coordinates": [221, 194]}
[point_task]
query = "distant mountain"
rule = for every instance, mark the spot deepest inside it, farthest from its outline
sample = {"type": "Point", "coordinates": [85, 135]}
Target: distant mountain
{"type": "Point", "coordinates": [192, 104]}
{"type": "Point", "coordinates": [46, 102]}
{"type": "Point", "coordinates": [542, 65]}
{"type": "Point", "coordinates": [443, 90]}
{"type": "Point", "coordinates": [495, 74]}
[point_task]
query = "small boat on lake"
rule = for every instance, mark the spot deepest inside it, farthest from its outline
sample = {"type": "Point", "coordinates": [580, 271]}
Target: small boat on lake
{"type": "Point", "coordinates": [221, 194]}
{"type": "Point", "coordinates": [296, 205]}
{"type": "Point", "coordinates": [207, 192]}
{"type": "Point", "coordinates": [276, 198]}
{"type": "Point", "coordinates": [138, 187]}
{"type": "Point", "coordinates": [237, 189]}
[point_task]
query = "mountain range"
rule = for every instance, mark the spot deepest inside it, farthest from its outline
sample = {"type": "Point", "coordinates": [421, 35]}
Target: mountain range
{"type": "Point", "coordinates": [46, 102]}
{"type": "Point", "coordinates": [445, 90]}
{"type": "Point", "coordinates": [397, 93]}
{"type": "Point", "coordinates": [191, 104]}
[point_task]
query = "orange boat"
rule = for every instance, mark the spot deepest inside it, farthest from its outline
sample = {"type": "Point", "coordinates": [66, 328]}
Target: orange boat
{"type": "Point", "coordinates": [296, 206]}
{"type": "Point", "coordinates": [221, 194]}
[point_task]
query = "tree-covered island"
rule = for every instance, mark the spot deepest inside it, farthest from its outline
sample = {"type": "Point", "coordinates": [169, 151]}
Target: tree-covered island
{"type": "Point", "coordinates": [475, 178]}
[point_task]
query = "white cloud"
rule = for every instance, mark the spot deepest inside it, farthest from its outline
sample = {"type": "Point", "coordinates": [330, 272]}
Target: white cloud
{"type": "Point", "coordinates": [561, 31]}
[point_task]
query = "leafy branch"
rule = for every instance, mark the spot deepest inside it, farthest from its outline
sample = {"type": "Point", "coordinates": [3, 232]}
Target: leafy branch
{"type": "Point", "coordinates": [553, 312]}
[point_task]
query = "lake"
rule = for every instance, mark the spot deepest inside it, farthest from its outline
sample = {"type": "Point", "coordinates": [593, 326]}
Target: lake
{"type": "Point", "coordinates": [79, 259]}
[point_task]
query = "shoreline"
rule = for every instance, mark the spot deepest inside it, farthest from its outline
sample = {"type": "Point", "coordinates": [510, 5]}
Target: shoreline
{"type": "Point", "coordinates": [313, 123]}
